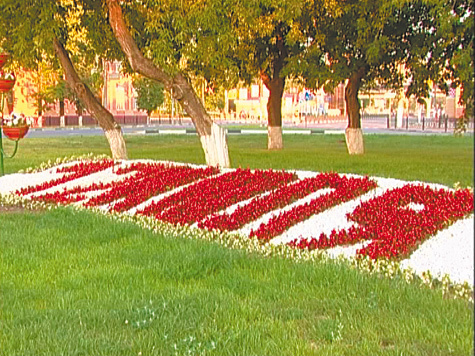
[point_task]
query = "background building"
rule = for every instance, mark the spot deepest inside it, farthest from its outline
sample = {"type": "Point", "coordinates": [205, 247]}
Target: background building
{"type": "Point", "coordinates": [245, 104]}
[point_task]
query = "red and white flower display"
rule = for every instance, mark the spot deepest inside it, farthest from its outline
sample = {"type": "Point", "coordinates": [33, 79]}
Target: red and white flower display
{"type": "Point", "coordinates": [382, 220]}
{"type": "Point", "coordinates": [394, 227]}
{"type": "Point", "coordinates": [194, 203]}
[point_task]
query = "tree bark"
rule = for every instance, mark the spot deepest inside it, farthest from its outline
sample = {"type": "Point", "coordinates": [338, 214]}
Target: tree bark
{"type": "Point", "coordinates": [354, 134]}
{"type": "Point", "coordinates": [211, 135]}
{"type": "Point", "coordinates": [274, 112]}
{"type": "Point", "coordinates": [275, 85]}
{"type": "Point", "coordinates": [105, 119]}
{"type": "Point", "coordinates": [61, 107]}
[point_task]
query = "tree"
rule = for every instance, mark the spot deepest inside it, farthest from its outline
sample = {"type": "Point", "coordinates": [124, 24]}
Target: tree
{"type": "Point", "coordinates": [455, 51]}
{"type": "Point", "coordinates": [149, 94]}
{"type": "Point", "coordinates": [36, 32]}
{"type": "Point", "coordinates": [165, 67]}
{"type": "Point", "coordinates": [60, 90]}
{"type": "Point", "coordinates": [267, 36]}
{"type": "Point", "coordinates": [390, 42]}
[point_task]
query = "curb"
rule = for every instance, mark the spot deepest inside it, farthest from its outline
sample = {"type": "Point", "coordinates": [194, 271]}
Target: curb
{"type": "Point", "coordinates": [243, 132]}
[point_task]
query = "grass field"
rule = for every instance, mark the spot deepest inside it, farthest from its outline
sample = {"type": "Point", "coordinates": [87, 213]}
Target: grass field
{"type": "Point", "coordinates": [74, 283]}
{"type": "Point", "coordinates": [438, 159]}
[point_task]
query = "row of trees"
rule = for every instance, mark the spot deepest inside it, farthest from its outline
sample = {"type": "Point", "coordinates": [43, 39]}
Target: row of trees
{"type": "Point", "coordinates": [317, 42]}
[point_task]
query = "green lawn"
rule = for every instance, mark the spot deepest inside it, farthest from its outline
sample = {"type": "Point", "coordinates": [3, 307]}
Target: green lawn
{"type": "Point", "coordinates": [74, 283]}
{"type": "Point", "coordinates": [438, 159]}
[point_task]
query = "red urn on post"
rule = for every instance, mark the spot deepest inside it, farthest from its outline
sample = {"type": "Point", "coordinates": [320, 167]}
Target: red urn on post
{"type": "Point", "coordinates": [15, 133]}
{"type": "Point", "coordinates": [16, 127]}
{"type": "Point", "coordinates": [6, 84]}
{"type": "Point", "coordinates": [3, 59]}
{"type": "Point", "coordinates": [7, 80]}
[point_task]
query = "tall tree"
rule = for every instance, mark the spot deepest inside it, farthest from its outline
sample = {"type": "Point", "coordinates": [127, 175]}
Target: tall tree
{"type": "Point", "coordinates": [166, 67]}
{"type": "Point", "coordinates": [454, 52]}
{"type": "Point", "coordinates": [39, 31]}
{"type": "Point", "coordinates": [395, 43]}
{"type": "Point", "coordinates": [267, 36]}
{"type": "Point", "coordinates": [149, 94]}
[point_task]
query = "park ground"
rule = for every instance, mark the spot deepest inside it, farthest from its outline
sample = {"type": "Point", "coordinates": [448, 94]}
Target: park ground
{"type": "Point", "coordinates": [76, 283]}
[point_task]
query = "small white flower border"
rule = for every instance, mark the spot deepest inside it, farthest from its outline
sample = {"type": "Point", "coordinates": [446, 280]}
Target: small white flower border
{"type": "Point", "coordinates": [380, 267]}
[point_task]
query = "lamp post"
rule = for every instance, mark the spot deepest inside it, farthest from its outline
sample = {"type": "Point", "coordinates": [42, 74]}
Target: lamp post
{"type": "Point", "coordinates": [13, 133]}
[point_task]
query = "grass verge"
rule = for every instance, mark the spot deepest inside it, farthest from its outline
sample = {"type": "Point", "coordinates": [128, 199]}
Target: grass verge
{"type": "Point", "coordinates": [436, 159]}
{"type": "Point", "coordinates": [76, 283]}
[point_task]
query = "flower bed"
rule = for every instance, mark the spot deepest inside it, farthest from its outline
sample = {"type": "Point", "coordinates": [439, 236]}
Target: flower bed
{"type": "Point", "coordinates": [277, 199]}
{"type": "Point", "coordinates": [345, 190]}
{"type": "Point", "coordinates": [147, 180]}
{"type": "Point", "coordinates": [209, 196]}
{"type": "Point", "coordinates": [394, 224]}
{"type": "Point", "coordinates": [150, 180]}
{"type": "Point", "coordinates": [390, 220]}
{"type": "Point", "coordinates": [78, 170]}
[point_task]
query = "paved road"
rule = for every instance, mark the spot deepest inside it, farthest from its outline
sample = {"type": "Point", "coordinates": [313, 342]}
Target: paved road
{"type": "Point", "coordinates": [189, 129]}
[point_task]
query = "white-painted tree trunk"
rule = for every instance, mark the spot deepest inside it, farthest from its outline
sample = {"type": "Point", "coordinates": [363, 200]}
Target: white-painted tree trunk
{"type": "Point", "coordinates": [354, 141]}
{"type": "Point", "coordinates": [116, 143]}
{"type": "Point", "coordinates": [274, 138]}
{"type": "Point", "coordinates": [215, 147]}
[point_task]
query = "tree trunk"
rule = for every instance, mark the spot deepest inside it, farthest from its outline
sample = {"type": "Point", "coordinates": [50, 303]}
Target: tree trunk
{"type": "Point", "coordinates": [61, 107]}
{"type": "Point", "coordinates": [274, 113]}
{"type": "Point", "coordinates": [215, 146]}
{"type": "Point", "coordinates": [212, 137]}
{"type": "Point", "coordinates": [40, 106]}
{"type": "Point", "coordinates": [275, 85]}
{"type": "Point", "coordinates": [105, 119]}
{"type": "Point", "coordinates": [354, 134]}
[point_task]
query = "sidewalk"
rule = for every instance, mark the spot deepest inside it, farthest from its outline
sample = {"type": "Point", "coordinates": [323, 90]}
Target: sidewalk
{"type": "Point", "coordinates": [186, 127]}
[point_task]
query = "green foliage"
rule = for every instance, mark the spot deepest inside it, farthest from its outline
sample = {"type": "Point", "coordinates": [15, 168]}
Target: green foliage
{"type": "Point", "coordinates": [27, 33]}
{"type": "Point", "coordinates": [458, 58]}
{"type": "Point", "coordinates": [184, 36]}
{"type": "Point", "coordinates": [149, 94]}
{"type": "Point", "coordinates": [214, 101]}
{"type": "Point", "coordinates": [28, 29]}
{"type": "Point", "coordinates": [394, 41]}
{"type": "Point", "coordinates": [267, 34]}
{"type": "Point", "coordinates": [61, 90]}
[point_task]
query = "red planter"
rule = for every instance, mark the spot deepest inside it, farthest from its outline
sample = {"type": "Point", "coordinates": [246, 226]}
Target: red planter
{"type": "Point", "coordinates": [6, 84]}
{"type": "Point", "coordinates": [3, 59]}
{"type": "Point", "coordinates": [15, 133]}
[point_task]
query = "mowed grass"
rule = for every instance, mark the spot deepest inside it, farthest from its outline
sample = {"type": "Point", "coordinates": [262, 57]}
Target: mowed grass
{"type": "Point", "coordinates": [74, 283]}
{"type": "Point", "coordinates": [437, 159]}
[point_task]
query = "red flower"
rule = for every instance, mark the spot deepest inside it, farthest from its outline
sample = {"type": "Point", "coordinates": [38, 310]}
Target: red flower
{"type": "Point", "coordinates": [345, 189]}
{"type": "Point", "coordinates": [394, 228]}
{"type": "Point", "coordinates": [195, 202]}
{"type": "Point", "coordinates": [78, 170]}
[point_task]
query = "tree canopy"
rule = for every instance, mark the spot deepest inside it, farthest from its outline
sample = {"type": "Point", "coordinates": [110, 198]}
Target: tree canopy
{"type": "Point", "coordinates": [58, 33]}
{"type": "Point", "coordinates": [149, 94]}
{"type": "Point", "coordinates": [394, 43]}
{"type": "Point", "coordinates": [325, 43]}
{"type": "Point", "coordinates": [266, 39]}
